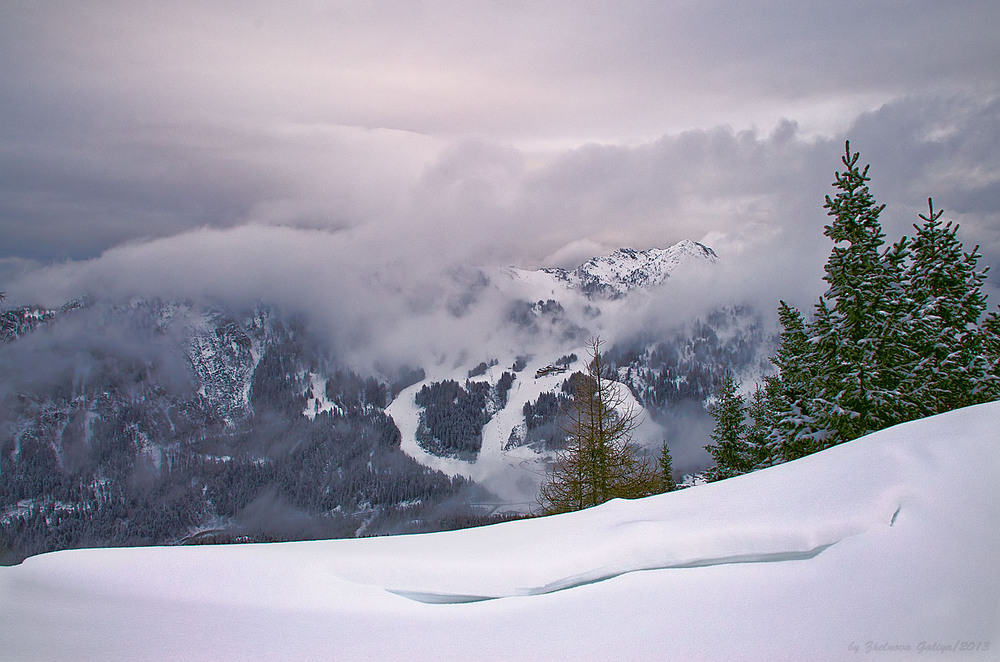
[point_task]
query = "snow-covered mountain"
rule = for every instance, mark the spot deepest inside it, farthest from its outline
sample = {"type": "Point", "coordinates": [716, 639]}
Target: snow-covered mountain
{"type": "Point", "coordinates": [193, 420]}
{"type": "Point", "coordinates": [615, 275]}
{"type": "Point", "coordinates": [669, 375]}
{"type": "Point", "coordinates": [606, 278]}
{"type": "Point", "coordinates": [881, 548]}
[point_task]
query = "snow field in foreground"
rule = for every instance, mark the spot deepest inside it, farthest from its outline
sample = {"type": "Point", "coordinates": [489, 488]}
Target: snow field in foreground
{"type": "Point", "coordinates": [872, 549]}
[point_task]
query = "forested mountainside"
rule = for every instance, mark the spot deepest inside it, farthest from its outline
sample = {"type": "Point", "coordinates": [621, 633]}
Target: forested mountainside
{"type": "Point", "coordinates": [156, 422]}
{"type": "Point", "coordinates": [687, 365]}
{"type": "Point", "coordinates": [674, 372]}
{"type": "Point", "coordinates": [163, 422]}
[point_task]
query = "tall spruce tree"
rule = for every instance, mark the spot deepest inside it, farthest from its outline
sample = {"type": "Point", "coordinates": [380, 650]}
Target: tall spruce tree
{"type": "Point", "coordinates": [858, 321]}
{"type": "Point", "coordinates": [991, 354]}
{"type": "Point", "coordinates": [950, 366]}
{"type": "Point", "coordinates": [761, 422]}
{"type": "Point", "coordinates": [601, 462]}
{"type": "Point", "coordinates": [898, 334]}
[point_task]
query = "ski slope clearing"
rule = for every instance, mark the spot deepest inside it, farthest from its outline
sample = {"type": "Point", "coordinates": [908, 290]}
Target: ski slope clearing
{"type": "Point", "coordinates": [882, 548]}
{"type": "Point", "coordinates": [512, 475]}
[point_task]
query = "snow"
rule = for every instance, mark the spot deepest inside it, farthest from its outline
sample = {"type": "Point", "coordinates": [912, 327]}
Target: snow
{"type": "Point", "coordinates": [877, 548]}
{"type": "Point", "coordinates": [604, 286]}
{"type": "Point", "coordinates": [512, 475]}
{"type": "Point", "coordinates": [319, 403]}
{"type": "Point", "coordinates": [627, 269]}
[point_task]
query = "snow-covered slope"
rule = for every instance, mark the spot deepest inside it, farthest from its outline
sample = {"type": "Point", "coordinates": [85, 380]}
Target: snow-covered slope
{"type": "Point", "coordinates": [880, 548]}
{"type": "Point", "coordinates": [615, 275]}
{"type": "Point", "coordinates": [603, 280]}
{"type": "Point", "coordinates": [511, 474]}
{"type": "Point", "coordinates": [554, 313]}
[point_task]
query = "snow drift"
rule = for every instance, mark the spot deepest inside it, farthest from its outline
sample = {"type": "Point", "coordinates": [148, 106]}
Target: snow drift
{"type": "Point", "coordinates": [882, 547]}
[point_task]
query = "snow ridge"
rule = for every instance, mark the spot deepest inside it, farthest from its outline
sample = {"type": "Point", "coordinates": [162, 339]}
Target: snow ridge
{"type": "Point", "coordinates": [601, 575]}
{"type": "Point", "coordinates": [615, 275]}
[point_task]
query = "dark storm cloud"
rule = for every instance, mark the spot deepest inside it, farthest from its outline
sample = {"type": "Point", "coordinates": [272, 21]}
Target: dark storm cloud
{"type": "Point", "coordinates": [423, 135]}
{"type": "Point", "coordinates": [944, 148]}
{"type": "Point", "coordinates": [757, 199]}
{"type": "Point", "coordinates": [79, 198]}
{"type": "Point", "coordinates": [95, 191]}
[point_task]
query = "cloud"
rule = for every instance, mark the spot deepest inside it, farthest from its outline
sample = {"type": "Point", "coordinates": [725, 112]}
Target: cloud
{"type": "Point", "coordinates": [387, 259]}
{"type": "Point", "coordinates": [359, 163]}
{"type": "Point", "coordinates": [12, 268]}
{"type": "Point", "coordinates": [75, 202]}
{"type": "Point", "coordinates": [491, 132]}
{"type": "Point", "coordinates": [103, 347]}
{"type": "Point", "coordinates": [575, 253]}
{"type": "Point", "coordinates": [374, 301]}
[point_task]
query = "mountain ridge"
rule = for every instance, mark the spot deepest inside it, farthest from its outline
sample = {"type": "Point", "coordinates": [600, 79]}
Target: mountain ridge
{"type": "Point", "coordinates": [614, 275]}
{"type": "Point", "coordinates": [222, 415]}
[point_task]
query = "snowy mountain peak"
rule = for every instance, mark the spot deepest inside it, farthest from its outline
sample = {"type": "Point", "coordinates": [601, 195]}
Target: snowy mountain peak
{"type": "Point", "coordinates": [613, 276]}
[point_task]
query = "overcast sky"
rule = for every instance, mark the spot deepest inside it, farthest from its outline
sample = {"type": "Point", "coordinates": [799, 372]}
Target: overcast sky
{"type": "Point", "coordinates": [212, 141]}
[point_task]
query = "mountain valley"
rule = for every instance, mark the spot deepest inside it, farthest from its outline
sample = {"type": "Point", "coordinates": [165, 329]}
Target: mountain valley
{"type": "Point", "coordinates": [168, 422]}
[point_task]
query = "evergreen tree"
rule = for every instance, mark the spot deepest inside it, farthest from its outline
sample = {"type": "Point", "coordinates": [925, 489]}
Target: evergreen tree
{"type": "Point", "coordinates": [761, 423]}
{"type": "Point", "coordinates": [667, 469]}
{"type": "Point", "coordinates": [858, 321]}
{"type": "Point", "coordinates": [600, 462]}
{"type": "Point", "coordinates": [950, 367]}
{"type": "Point", "coordinates": [731, 452]}
{"type": "Point", "coordinates": [789, 394]}
{"type": "Point", "coordinates": [991, 356]}
{"type": "Point", "coordinates": [897, 335]}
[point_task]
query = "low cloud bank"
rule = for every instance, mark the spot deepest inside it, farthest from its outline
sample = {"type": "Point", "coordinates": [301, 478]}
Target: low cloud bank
{"type": "Point", "coordinates": [387, 259]}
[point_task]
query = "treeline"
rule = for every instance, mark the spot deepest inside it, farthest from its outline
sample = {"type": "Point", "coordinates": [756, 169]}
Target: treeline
{"type": "Point", "coordinates": [349, 390]}
{"type": "Point", "coordinates": [342, 476]}
{"type": "Point", "coordinates": [453, 416]}
{"type": "Point", "coordinates": [901, 333]}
